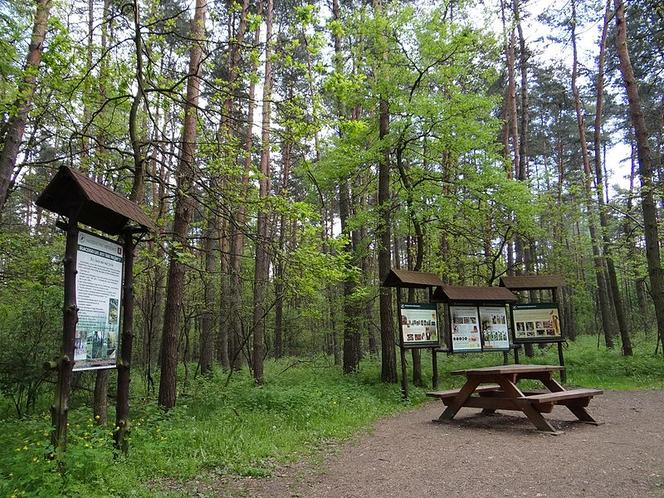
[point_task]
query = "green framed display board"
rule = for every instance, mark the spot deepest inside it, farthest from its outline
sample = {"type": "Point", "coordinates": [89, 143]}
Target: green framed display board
{"type": "Point", "coordinates": [478, 329]}
{"type": "Point", "coordinates": [419, 325]}
{"type": "Point", "coordinates": [537, 322]}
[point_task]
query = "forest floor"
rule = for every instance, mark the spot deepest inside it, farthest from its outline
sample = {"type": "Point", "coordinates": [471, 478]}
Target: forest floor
{"type": "Point", "coordinates": [478, 456]}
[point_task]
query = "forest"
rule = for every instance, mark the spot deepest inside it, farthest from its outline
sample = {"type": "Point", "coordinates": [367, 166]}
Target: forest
{"type": "Point", "coordinates": [290, 153]}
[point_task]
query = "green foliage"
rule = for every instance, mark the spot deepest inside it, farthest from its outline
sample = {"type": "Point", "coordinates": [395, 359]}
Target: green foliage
{"type": "Point", "coordinates": [30, 314]}
{"type": "Point", "coordinates": [238, 429]}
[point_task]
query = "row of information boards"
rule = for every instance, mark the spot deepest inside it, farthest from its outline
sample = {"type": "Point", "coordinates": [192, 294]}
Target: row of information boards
{"type": "Point", "coordinates": [476, 319]}
{"type": "Point", "coordinates": [478, 328]}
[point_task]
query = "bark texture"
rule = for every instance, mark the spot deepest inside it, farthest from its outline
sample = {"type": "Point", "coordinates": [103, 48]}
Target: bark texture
{"type": "Point", "coordinates": [599, 186]}
{"type": "Point", "coordinates": [262, 243]}
{"type": "Point", "coordinates": [644, 153]}
{"type": "Point", "coordinates": [17, 122]}
{"type": "Point", "coordinates": [598, 259]}
{"type": "Point", "coordinates": [184, 207]}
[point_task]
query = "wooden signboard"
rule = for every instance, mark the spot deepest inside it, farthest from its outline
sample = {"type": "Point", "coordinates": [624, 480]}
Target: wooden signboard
{"type": "Point", "coordinates": [478, 329]}
{"type": "Point", "coordinates": [419, 325]}
{"type": "Point", "coordinates": [99, 267]}
{"type": "Point", "coordinates": [537, 322]}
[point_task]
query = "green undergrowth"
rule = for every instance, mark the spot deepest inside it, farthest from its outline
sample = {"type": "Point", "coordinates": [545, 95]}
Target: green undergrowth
{"type": "Point", "coordinates": [234, 429]}
{"type": "Point", "coordinates": [238, 429]}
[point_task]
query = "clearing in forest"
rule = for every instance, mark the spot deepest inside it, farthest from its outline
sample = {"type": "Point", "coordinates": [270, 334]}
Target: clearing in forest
{"type": "Point", "coordinates": [479, 456]}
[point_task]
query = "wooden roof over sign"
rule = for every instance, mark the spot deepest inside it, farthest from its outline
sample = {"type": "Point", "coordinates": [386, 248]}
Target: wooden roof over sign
{"type": "Point", "coordinates": [451, 293]}
{"type": "Point", "coordinates": [70, 192]}
{"type": "Point", "coordinates": [411, 279]}
{"type": "Point", "coordinates": [532, 282]}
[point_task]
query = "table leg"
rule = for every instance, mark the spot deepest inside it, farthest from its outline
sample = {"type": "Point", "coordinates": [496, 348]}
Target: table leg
{"type": "Point", "coordinates": [579, 411]}
{"type": "Point", "coordinates": [582, 414]}
{"type": "Point", "coordinates": [533, 415]}
{"type": "Point", "coordinates": [552, 384]}
{"type": "Point", "coordinates": [453, 408]}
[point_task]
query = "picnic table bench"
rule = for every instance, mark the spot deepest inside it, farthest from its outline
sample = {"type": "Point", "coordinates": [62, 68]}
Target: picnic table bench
{"type": "Point", "coordinates": [495, 388]}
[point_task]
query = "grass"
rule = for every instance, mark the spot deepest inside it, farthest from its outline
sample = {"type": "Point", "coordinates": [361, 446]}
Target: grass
{"type": "Point", "coordinates": [586, 365]}
{"type": "Point", "coordinates": [240, 429]}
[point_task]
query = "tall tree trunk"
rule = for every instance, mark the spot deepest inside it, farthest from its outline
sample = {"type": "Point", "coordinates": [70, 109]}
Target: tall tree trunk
{"type": "Point", "coordinates": [100, 397]}
{"type": "Point", "coordinates": [603, 220]}
{"type": "Point", "coordinates": [262, 243]}
{"type": "Point", "coordinates": [279, 263]}
{"type": "Point", "coordinates": [137, 195]}
{"type": "Point", "coordinates": [645, 168]}
{"type": "Point", "coordinates": [352, 311]}
{"type": "Point", "coordinates": [511, 93]}
{"type": "Point", "coordinates": [521, 159]}
{"type": "Point", "coordinates": [222, 337]}
{"type": "Point", "coordinates": [138, 184]}
{"type": "Point", "coordinates": [514, 255]}
{"type": "Point", "coordinates": [210, 320]}
{"type": "Point", "coordinates": [419, 254]}
{"type": "Point", "coordinates": [598, 260]}
{"type": "Point", "coordinates": [352, 346]}
{"type": "Point", "coordinates": [208, 316]}
{"type": "Point", "coordinates": [16, 125]}
{"type": "Point", "coordinates": [388, 353]}
{"type": "Point", "coordinates": [524, 118]}
{"type": "Point", "coordinates": [85, 141]}
{"type": "Point", "coordinates": [235, 331]}
{"type": "Point", "coordinates": [184, 206]}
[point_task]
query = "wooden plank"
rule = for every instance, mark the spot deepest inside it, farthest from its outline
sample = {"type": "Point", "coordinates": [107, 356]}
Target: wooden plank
{"type": "Point", "coordinates": [565, 395]}
{"type": "Point", "coordinates": [500, 393]}
{"type": "Point", "coordinates": [453, 392]}
{"type": "Point", "coordinates": [491, 403]}
{"type": "Point", "coordinates": [508, 369]}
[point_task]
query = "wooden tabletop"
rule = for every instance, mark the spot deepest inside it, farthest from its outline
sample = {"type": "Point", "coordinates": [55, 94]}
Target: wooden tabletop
{"type": "Point", "coordinates": [508, 369]}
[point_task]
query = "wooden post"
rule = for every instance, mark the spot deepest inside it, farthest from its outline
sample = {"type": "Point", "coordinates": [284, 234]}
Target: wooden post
{"type": "Point", "coordinates": [404, 371]}
{"type": "Point", "coordinates": [561, 361]}
{"type": "Point", "coordinates": [122, 426]}
{"type": "Point", "coordinates": [65, 364]}
{"type": "Point", "coordinates": [561, 357]}
{"type": "Point", "coordinates": [434, 355]}
{"type": "Point", "coordinates": [434, 368]}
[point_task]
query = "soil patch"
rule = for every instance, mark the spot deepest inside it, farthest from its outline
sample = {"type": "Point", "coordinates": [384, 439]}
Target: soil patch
{"type": "Point", "coordinates": [482, 456]}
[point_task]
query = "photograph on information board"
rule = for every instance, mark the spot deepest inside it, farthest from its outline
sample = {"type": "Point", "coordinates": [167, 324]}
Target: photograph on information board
{"type": "Point", "coordinates": [536, 323]}
{"type": "Point", "coordinates": [494, 328]}
{"type": "Point", "coordinates": [465, 329]}
{"type": "Point", "coordinates": [419, 325]}
{"type": "Point", "coordinates": [98, 291]}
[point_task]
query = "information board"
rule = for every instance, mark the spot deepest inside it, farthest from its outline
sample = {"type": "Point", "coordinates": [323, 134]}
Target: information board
{"type": "Point", "coordinates": [419, 325]}
{"type": "Point", "coordinates": [98, 292]}
{"type": "Point", "coordinates": [495, 332]}
{"type": "Point", "coordinates": [536, 323]}
{"type": "Point", "coordinates": [465, 325]}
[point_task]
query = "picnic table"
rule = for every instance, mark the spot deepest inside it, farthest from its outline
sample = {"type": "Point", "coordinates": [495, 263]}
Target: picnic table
{"type": "Point", "coordinates": [495, 388]}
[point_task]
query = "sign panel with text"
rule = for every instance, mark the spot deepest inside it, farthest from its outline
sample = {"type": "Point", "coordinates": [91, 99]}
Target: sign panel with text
{"type": "Point", "coordinates": [419, 325]}
{"type": "Point", "coordinates": [495, 333]}
{"type": "Point", "coordinates": [98, 293]}
{"type": "Point", "coordinates": [465, 333]}
{"type": "Point", "coordinates": [536, 323]}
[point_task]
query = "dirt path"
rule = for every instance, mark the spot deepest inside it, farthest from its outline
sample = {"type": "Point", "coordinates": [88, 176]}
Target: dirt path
{"type": "Point", "coordinates": [409, 456]}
